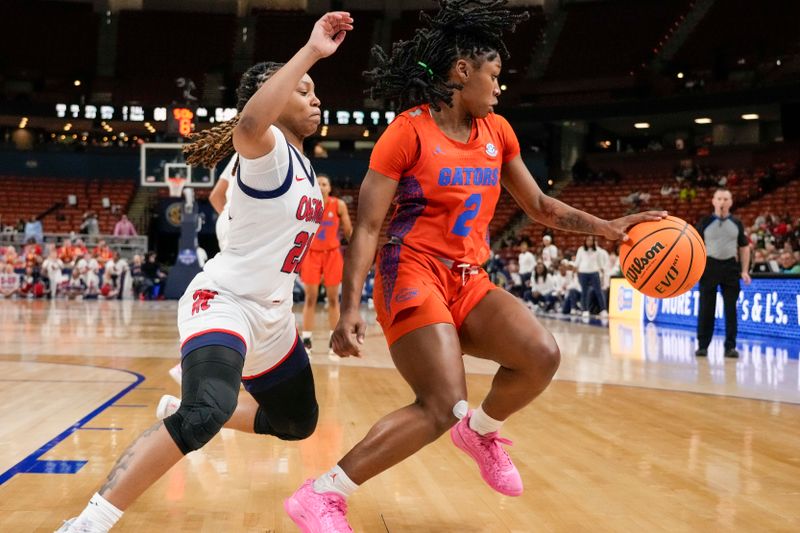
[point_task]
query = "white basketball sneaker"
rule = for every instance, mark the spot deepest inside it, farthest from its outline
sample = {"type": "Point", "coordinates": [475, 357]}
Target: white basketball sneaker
{"type": "Point", "coordinates": [74, 525]}
{"type": "Point", "coordinates": [167, 406]}
{"type": "Point", "coordinates": [176, 373]}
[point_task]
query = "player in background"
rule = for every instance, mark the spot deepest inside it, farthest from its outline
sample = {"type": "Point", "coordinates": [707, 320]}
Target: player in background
{"type": "Point", "coordinates": [234, 332]}
{"type": "Point", "coordinates": [442, 162]}
{"type": "Point", "coordinates": [324, 261]}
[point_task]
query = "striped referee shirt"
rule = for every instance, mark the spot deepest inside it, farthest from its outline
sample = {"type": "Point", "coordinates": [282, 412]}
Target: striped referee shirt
{"type": "Point", "coordinates": [723, 236]}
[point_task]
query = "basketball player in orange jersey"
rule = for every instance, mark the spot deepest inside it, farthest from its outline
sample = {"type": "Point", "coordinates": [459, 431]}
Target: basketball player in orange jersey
{"type": "Point", "coordinates": [324, 260]}
{"type": "Point", "coordinates": [235, 318]}
{"type": "Point", "coordinates": [442, 162]}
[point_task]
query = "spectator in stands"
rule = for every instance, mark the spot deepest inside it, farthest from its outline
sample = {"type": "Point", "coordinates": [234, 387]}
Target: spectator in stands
{"type": "Point", "coordinates": [543, 290]}
{"type": "Point", "coordinates": [124, 227]}
{"type": "Point", "coordinates": [549, 252]}
{"type": "Point", "coordinates": [141, 284]}
{"type": "Point", "coordinates": [102, 253]}
{"type": "Point", "coordinates": [728, 252]}
{"type": "Point", "coordinates": [668, 190]}
{"type": "Point", "coordinates": [91, 278]}
{"type": "Point", "coordinates": [33, 230]}
{"type": "Point", "coordinates": [20, 226]}
{"type": "Point", "coordinates": [32, 254]}
{"type": "Point", "coordinates": [76, 286]}
{"type": "Point", "coordinates": [10, 255]}
{"type": "Point", "coordinates": [90, 225]}
{"type": "Point", "coordinates": [686, 172]}
{"type": "Point", "coordinates": [526, 260]}
{"type": "Point", "coordinates": [760, 263]}
{"type": "Point", "coordinates": [31, 286]}
{"type": "Point", "coordinates": [79, 250]}
{"type": "Point", "coordinates": [514, 283]}
{"type": "Point", "coordinates": [590, 263]}
{"type": "Point", "coordinates": [687, 193]}
{"type": "Point", "coordinates": [9, 282]}
{"type": "Point", "coordinates": [568, 287]}
{"type": "Point", "coordinates": [66, 253]}
{"type": "Point", "coordinates": [789, 264]}
{"type": "Point", "coordinates": [152, 271]}
{"type": "Point", "coordinates": [52, 270]}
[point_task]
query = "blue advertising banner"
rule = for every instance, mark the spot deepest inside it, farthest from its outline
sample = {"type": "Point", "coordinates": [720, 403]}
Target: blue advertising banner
{"type": "Point", "coordinates": [766, 307]}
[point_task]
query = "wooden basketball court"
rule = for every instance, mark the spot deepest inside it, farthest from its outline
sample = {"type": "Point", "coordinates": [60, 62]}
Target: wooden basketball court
{"type": "Point", "coordinates": [623, 440]}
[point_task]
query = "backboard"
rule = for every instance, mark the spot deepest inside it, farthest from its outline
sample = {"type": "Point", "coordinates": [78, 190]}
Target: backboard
{"type": "Point", "coordinates": [159, 161]}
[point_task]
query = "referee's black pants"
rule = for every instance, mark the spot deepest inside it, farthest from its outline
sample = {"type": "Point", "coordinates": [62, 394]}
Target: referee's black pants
{"type": "Point", "coordinates": [723, 274]}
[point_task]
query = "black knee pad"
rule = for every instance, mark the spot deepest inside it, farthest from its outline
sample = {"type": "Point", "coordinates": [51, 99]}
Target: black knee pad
{"type": "Point", "coordinates": [288, 410]}
{"type": "Point", "coordinates": [211, 377]}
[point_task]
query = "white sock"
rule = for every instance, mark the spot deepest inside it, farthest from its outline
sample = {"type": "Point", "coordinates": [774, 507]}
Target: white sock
{"type": "Point", "coordinates": [482, 423]}
{"type": "Point", "coordinates": [100, 514]}
{"type": "Point", "coordinates": [335, 480]}
{"type": "Point", "coordinates": [306, 335]}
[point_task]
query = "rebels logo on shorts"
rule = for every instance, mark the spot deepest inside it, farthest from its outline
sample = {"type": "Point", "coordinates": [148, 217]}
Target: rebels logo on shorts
{"type": "Point", "coordinates": [201, 298]}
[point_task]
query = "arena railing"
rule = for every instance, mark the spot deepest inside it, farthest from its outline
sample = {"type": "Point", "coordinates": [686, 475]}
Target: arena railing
{"type": "Point", "coordinates": [126, 246]}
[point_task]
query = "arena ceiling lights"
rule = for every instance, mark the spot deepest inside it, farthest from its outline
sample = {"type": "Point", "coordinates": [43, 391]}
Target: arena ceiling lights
{"type": "Point", "coordinates": [642, 125]}
{"type": "Point", "coordinates": [702, 120]}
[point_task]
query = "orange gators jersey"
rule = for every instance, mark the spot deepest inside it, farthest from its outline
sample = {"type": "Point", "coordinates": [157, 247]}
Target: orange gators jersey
{"type": "Point", "coordinates": [327, 236]}
{"type": "Point", "coordinates": [447, 190]}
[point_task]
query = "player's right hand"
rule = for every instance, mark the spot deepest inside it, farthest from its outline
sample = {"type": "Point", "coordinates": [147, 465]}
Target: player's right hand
{"type": "Point", "coordinates": [329, 32]}
{"type": "Point", "coordinates": [348, 337]}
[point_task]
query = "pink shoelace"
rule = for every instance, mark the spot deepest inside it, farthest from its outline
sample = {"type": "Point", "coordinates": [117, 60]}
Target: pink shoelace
{"type": "Point", "coordinates": [492, 443]}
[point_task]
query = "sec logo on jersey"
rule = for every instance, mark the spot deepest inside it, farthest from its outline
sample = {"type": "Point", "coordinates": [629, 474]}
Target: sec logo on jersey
{"type": "Point", "coordinates": [491, 150]}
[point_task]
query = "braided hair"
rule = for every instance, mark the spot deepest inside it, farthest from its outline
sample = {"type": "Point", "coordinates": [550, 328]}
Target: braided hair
{"type": "Point", "coordinates": [417, 70]}
{"type": "Point", "coordinates": [209, 147]}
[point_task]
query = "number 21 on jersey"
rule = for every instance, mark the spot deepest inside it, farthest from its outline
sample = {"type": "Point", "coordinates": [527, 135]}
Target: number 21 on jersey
{"type": "Point", "coordinates": [298, 252]}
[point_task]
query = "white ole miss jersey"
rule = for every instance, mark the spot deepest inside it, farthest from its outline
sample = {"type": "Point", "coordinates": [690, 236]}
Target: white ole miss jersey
{"type": "Point", "coordinates": [275, 210]}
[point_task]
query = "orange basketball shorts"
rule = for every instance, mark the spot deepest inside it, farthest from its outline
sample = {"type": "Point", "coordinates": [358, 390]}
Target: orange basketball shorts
{"type": "Point", "coordinates": [322, 264]}
{"type": "Point", "coordinates": [413, 290]}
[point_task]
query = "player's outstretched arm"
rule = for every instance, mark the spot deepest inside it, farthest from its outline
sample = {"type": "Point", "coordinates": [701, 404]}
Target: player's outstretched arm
{"type": "Point", "coordinates": [252, 137]}
{"type": "Point", "coordinates": [374, 199]}
{"type": "Point", "coordinates": [556, 214]}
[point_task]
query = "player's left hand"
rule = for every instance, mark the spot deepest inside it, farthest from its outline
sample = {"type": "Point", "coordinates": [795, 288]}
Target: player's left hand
{"type": "Point", "coordinates": [615, 230]}
{"type": "Point", "coordinates": [746, 278]}
{"type": "Point", "coordinates": [329, 32]}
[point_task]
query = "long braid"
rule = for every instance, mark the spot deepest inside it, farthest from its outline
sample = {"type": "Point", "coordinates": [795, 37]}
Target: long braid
{"type": "Point", "coordinates": [417, 70]}
{"type": "Point", "coordinates": [209, 147]}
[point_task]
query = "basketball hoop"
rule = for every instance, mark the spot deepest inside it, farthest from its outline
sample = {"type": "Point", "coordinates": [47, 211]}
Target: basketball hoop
{"type": "Point", "coordinates": [175, 185]}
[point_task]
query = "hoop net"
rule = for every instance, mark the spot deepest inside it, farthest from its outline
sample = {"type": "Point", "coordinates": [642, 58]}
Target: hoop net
{"type": "Point", "coordinates": [175, 185]}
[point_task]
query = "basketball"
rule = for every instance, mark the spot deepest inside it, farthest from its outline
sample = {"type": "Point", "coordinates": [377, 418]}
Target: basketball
{"type": "Point", "coordinates": [663, 258]}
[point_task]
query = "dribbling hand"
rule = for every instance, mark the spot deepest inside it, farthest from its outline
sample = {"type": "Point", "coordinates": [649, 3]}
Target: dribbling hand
{"type": "Point", "coordinates": [349, 335]}
{"type": "Point", "coordinates": [329, 32]}
{"type": "Point", "coordinates": [615, 230]}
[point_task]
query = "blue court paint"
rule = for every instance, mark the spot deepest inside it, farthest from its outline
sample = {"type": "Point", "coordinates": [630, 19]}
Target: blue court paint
{"type": "Point", "coordinates": [55, 467]}
{"type": "Point", "coordinates": [30, 462]}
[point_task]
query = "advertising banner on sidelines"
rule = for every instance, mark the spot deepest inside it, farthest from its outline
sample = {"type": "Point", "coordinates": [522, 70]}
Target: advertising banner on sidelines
{"type": "Point", "coordinates": [624, 302]}
{"type": "Point", "coordinates": [766, 307]}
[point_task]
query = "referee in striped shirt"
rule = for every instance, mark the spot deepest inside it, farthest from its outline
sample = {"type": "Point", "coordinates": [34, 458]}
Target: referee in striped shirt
{"type": "Point", "coordinates": [728, 261]}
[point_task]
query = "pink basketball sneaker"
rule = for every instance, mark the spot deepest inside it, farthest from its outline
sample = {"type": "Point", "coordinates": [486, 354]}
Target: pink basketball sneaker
{"type": "Point", "coordinates": [317, 513]}
{"type": "Point", "coordinates": [495, 465]}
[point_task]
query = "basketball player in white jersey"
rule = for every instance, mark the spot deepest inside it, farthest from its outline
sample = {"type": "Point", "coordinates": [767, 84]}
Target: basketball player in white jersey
{"type": "Point", "coordinates": [235, 318]}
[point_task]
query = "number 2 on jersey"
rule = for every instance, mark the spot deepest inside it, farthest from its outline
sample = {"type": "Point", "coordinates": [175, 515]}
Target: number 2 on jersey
{"type": "Point", "coordinates": [298, 252]}
{"type": "Point", "coordinates": [473, 205]}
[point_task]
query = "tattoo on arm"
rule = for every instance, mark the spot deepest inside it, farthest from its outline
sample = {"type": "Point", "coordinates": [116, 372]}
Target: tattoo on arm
{"type": "Point", "coordinates": [124, 461]}
{"type": "Point", "coordinates": [561, 216]}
